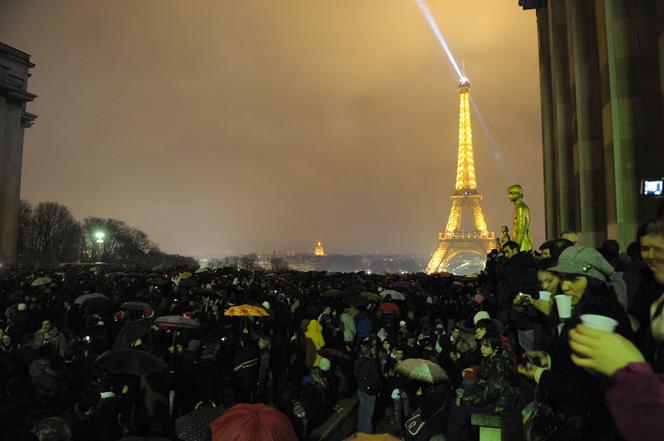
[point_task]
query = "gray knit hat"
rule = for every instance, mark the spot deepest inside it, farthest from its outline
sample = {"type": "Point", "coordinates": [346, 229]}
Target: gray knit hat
{"type": "Point", "coordinates": [584, 261]}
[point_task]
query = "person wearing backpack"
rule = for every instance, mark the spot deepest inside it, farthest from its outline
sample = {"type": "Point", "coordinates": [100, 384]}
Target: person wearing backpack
{"type": "Point", "coordinates": [368, 385]}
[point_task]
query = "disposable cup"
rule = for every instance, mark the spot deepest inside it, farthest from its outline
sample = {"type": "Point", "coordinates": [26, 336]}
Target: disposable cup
{"type": "Point", "coordinates": [599, 322]}
{"type": "Point", "coordinates": [564, 305]}
{"type": "Point", "coordinates": [544, 295]}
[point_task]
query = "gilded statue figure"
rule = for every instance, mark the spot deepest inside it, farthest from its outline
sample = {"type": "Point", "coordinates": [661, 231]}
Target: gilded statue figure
{"type": "Point", "coordinates": [521, 222]}
{"type": "Point", "coordinates": [505, 237]}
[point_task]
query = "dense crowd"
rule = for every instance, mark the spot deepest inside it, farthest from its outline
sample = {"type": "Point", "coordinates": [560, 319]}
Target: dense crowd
{"type": "Point", "coordinates": [99, 353]}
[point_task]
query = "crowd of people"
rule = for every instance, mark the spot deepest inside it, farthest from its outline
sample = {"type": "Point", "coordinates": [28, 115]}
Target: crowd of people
{"type": "Point", "coordinates": [97, 353]}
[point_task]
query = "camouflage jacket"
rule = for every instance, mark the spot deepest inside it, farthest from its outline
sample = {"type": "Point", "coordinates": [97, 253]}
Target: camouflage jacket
{"type": "Point", "coordinates": [493, 387]}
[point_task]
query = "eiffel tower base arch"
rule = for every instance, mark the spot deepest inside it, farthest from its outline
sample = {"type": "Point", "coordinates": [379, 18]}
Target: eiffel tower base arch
{"type": "Point", "coordinates": [450, 247]}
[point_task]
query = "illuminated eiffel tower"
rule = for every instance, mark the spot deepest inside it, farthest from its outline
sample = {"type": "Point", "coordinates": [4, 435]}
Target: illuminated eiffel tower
{"type": "Point", "coordinates": [455, 241]}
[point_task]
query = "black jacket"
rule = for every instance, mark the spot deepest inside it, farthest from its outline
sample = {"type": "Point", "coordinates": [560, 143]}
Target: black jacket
{"type": "Point", "coordinates": [572, 390]}
{"type": "Point", "coordinates": [367, 376]}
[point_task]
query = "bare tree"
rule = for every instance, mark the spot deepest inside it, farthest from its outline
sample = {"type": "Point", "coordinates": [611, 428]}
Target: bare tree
{"type": "Point", "coordinates": [120, 241]}
{"type": "Point", "coordinates": [50, 234]}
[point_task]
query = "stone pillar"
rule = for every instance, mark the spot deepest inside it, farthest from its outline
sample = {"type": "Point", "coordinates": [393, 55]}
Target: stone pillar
{"type": "Point", "coordinates": [588, 121]}
{"type": "Point", "coordinates": [548, 145]}
{"type": "Point", "coordinates": [14, 74]}
{"type": "Point", "coordinates": [622, 46]}
{"type": "Point", "coordinates": [562, 106]}
{"type": "Point", "coordinates": [10, 190]}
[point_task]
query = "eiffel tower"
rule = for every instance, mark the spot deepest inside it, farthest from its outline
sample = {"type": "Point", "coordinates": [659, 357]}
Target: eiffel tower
{"type": "Point", "coordinates": [455, 240]}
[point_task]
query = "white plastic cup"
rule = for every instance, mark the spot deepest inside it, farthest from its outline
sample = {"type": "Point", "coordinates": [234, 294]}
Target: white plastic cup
{"type": "Point", "coordinates": [564, 305]}
{"type": "Point", "coordinates": [599, 322]}
{"type": "Point", "coordinates": [545, 295]}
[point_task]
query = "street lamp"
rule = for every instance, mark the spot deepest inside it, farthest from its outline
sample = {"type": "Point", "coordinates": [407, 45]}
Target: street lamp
{"type": "Point", "coordinates": [100, 235]}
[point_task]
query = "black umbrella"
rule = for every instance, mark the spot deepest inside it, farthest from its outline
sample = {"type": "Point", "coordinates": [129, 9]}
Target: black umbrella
{"type": "Point", "coordinates": [177, 322]}
{"type": "Point", "coordinates": [129, 362]}
{"type": "Point", "coordinates": [98, 304]}
{"type": "Point", "coordinates": [131, 331]}
{"type": "Point", "coordinates": [188, 283]}
{"type": "Point", "coordinates": [134, 306]}
{"type": "Point", "coordinates": [195, 426]}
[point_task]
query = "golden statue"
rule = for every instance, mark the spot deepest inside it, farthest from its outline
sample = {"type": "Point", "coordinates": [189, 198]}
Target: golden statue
{"type": "Point", "coordinates": [521, 223]}
{"type": "Point", "coordinates": [505, 237]}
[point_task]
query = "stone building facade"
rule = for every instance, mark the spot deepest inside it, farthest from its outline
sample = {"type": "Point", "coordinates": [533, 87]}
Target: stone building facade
{"type": "Point", "coordinates": [602, 82]}
{"type": "Point", "coordinates": [14, 73]}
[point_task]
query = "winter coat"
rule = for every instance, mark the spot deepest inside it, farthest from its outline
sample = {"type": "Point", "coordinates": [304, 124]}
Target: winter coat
{"type": "Point", "coordinates": [367, 376]}
{"type": "Point", "coordinates": [363, 324]}
{"type": "Point", "coordinates": [49, 387]}
{"type": "Point", "coordinates": [635, 396]}
{"type": "Point", "coordinates": [571, 390]}
{"type": "Point", "coordinates": [493, 387]}
{"type": "Point", "coordinates": [315, 342]}
{"type": "Point", "coordinates": [245, 367]}
{"type": "Point", "coordinates": [349, 327]}
{"type": "Point", "coordinates": [54, 338]}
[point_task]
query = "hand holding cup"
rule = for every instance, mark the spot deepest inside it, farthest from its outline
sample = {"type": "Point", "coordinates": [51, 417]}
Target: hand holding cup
{"type": "Point", "coordinates": [601, 351]}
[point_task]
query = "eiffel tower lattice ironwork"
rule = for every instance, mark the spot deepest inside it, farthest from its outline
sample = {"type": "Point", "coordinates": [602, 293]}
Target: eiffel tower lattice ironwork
{"type": "Point", "coordinates": [454, 240]}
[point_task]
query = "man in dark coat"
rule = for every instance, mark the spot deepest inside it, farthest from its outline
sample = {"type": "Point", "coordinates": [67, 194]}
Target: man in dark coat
{"type": "Point", "coordinates": [245, 371]}
{"type": "Point", "coordinates": [368, 379]}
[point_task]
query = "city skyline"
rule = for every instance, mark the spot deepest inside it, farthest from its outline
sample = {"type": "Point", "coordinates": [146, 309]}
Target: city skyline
{"type": "Point", "coordinates": [249, 127]}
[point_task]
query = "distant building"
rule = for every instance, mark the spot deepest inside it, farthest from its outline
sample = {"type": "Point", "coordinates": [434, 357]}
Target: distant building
{"type": "Point", "coordinates": [318, 249]}
{"type": "Point", "coordinates": [601, 88]}
{"type": "Point", "coordinates": [14, 73]}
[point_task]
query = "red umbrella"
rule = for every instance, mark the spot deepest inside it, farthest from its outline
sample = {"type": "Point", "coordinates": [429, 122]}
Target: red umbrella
{"type": "Point", "coordinates": [252, 422]}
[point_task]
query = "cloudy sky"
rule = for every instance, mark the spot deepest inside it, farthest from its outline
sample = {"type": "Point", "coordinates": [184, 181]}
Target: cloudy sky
{"type": "Point", "coordinates": [222, 126]}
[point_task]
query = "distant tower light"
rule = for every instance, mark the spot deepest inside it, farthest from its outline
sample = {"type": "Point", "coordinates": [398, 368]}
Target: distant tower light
{"type": "Point", "coordinates": [318, 249]}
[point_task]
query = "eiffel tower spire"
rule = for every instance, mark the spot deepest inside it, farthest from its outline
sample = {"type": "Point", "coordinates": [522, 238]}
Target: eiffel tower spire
{"type": "Point", "coordinates": [465, 174]}
{"type": "Point", "coordinates": [454, 241]}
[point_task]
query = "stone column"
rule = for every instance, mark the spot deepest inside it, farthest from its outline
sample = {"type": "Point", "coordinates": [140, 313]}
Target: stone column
{"type": "Point", "coordinates": [546, 101]}
{"type": "Point", "coordinates": [10, 194]}
{"type": "Point", "coordinates": [588, 121]}
{"type": "Point", "coordinates": [562, 107]}
{"type": "Point", "coordinates": [14, 73]}
{"type": "Point", "coordinates": [622, 46]}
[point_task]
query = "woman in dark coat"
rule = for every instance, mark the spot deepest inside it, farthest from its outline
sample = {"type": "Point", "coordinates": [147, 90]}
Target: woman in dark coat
{"type": "Point", "coordinates": [567, 388]}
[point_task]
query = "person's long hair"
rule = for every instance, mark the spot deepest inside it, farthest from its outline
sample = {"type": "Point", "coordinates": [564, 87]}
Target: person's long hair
{"type": "Point", "coordinates": [598, 296]}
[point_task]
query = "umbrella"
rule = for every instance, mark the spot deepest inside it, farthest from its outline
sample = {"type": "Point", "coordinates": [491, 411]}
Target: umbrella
{"type": "Point", "coordinates": [246, 311]}
{"type": "Point", "coordinates": [422, 370]}
{"type": "Point", "coordinates": [134, 306]}
{"type": "Point", "coordinates": [332, 293]}
{"type": "Point", "coordinates": [129, 362]}
{"type": "Point", "coordinates": [177, 321]}
{"type": "Point", "coordinates": [195, 426]}
{"type": "Point", "coordinates": [396, 295]}
{"type": "Point", "coordinates": [41, 281]}
{"type": "Point", "coordinates": [377, 437]}
{"type": "Point", "coordinates": [401, 284]}
{"type": "Point", "coordinates": [85, 297]}
{"type": "Point", "coordinates": [188, 283]}
{"type": "Point", "coordinates": [252, 422]}
{"type": "Point", "coordinates": [362, 298]}
{"type": "Point", "coordinates": [334, 354]}
{"type": "Point", "coordinates": [98, 304]}
{"type": "Point", "coordinates": [131, 331]}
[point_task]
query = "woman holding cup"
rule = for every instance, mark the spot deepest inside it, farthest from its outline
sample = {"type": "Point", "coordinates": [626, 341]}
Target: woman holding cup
{"type": "Point", "coordinates": [569, 389]}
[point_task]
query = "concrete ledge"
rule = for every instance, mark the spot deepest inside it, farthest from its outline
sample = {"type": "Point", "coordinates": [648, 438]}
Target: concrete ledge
{"type": "Point", "coordinates": [340, 425]}
{"type": "Point", "coordinates": [495, 427]}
